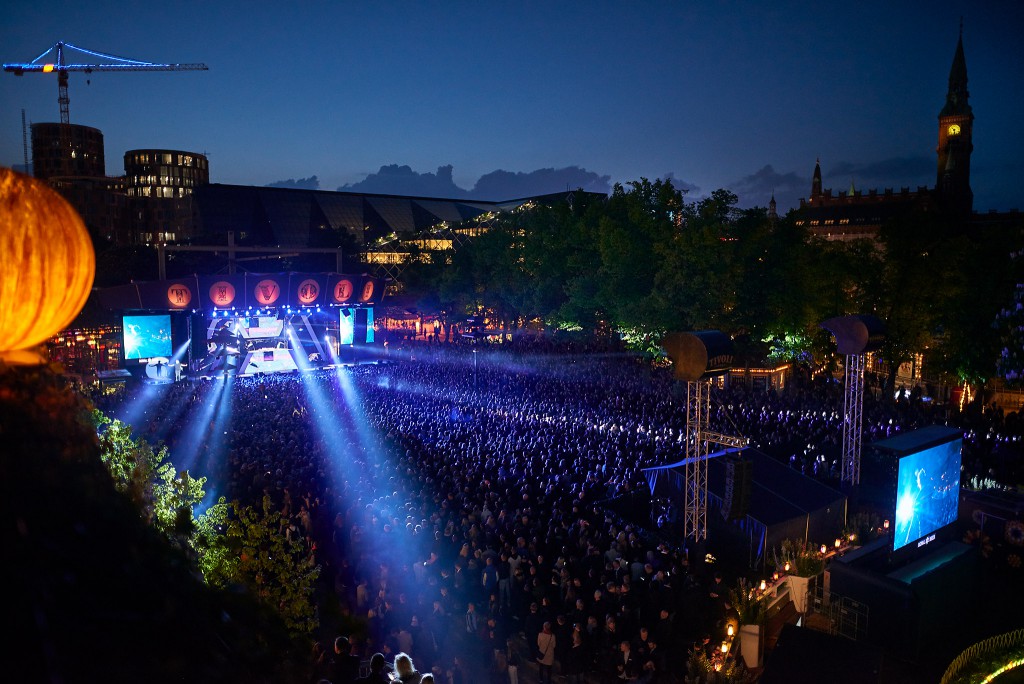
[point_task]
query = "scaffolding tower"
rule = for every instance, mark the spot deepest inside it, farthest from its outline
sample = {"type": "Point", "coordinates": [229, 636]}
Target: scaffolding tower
{"type": "Point", "coordinates": [853, 417]}
{"type": "Point", "coordinates": [855, 337]}
{"type": "Point", "coordinates": [697, 358]}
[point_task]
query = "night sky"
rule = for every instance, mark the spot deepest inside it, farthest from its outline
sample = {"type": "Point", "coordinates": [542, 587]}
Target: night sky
{"type": "Point", "coordinates": [552, 94]}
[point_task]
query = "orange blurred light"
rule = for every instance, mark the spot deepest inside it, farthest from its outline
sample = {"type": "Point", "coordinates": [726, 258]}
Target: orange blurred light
{"type": "Point", "coordinates": [51, 267]}
{"type": "Point", "coordinates": [47, 68]}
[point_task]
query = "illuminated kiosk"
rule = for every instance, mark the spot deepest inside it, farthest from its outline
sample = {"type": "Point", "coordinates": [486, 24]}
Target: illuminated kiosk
{"type": "Point", "coordinates": [245, 324]}
{"type": "Point", "coordinates": [916, 580]}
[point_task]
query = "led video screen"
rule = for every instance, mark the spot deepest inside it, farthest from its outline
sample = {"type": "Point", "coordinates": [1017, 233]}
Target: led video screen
{"type": "Point", "coordinates": [351, 326]}
{"type": "Point", "coordinates": [247, 345]}
{"type": "Point", "coordinates": [146, 336]}
{"type": "Point", "coordinates": [927, 493]}
{"type": "Point", "coordinates": [259, 327]}
{"type": "Point", "coordinates": [347, 327]}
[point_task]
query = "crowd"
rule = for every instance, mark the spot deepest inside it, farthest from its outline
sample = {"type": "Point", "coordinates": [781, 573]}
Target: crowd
{"type": "Point", "coordinates": [454, 502]}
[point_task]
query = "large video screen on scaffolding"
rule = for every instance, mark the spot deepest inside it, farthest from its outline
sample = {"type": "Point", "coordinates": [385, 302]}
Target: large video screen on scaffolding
{"type": "Point", "coordinates": [927, 493]}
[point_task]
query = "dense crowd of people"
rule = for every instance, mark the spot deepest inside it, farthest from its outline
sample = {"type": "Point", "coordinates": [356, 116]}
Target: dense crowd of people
{"type": "Point", "coordinates": [455, 502]}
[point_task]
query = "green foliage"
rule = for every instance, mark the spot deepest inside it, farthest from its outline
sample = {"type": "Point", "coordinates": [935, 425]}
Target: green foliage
{"type": "Point", "coordinates": [165, 498]}
{"type": "Point", "coordinates": [118, 601]}
{"type": "Point", "coordinates": [216, 558]}
{"type": "Point", "coordinates": [1009, 325]}
{"type": "Point", "coordinates": [281, 572]}
{"type": "Point", "coordinates": [645, 260]}
{"type": "Point", "coordinates": [804, 559]}
{"type": "Point", "coordinates": [716, 669]}
{"type": "Point", "coordinates": [642, 340]}
{"type": "Point", "coordinates": [786, 346]}
{"type": "Point", "coordinates": [749, 603]}
{"type": "Point", "coordinates": [231, 544]}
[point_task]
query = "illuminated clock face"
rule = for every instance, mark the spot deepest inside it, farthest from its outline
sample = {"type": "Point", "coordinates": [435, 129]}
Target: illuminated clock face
{"type": "Point", "coordinates": [954, 129]}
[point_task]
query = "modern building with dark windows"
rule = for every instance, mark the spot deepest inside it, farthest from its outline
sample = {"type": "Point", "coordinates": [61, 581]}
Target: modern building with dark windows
{"type": "Point", "coordinates": [83, 155]}
{"type": "Point", "coordinates": [159, 185]}
{"type": "Point", "coordinates": [292, 218]}
{"type": "Point", "coordinates": [388, 230]}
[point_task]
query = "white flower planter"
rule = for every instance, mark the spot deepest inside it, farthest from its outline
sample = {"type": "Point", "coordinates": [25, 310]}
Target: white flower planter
{"type": "Point", "coordinates": [798, 592]}
{"type": "Point", "coordinates": [750, 645]}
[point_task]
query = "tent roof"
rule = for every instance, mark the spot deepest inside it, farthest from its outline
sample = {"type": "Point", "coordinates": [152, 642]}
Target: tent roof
{"type": "Point", "coordinates": [778, 493]}
{"type": "Point", "coordinates": [916, 440]}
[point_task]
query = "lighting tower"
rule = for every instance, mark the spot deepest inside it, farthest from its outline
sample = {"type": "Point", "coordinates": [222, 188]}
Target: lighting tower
{"type": "Point", "coordinates": [697, 358]}
{"type": "Point", "coordinates": [855, 337]}
{"type": "Point", "coordinates": [62, 68]}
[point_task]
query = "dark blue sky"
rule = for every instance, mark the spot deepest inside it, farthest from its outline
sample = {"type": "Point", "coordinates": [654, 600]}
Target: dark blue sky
{"type": "Point", "coordinates": [737, 95]}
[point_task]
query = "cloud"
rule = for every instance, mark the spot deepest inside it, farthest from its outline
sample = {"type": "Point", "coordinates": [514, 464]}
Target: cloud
{"type": "Point", "coordinates": [680, 184]}
{"type": "Point", "coordinates": [895, 172]}
{"type": "Point", "coordinates": [503, 185]}
{"type": "Point", "coordinates": [757, 188]}
{"type": "Point", "coordinates": [393, 179]}
{"type": "Point", "coordinates": [311, 183]}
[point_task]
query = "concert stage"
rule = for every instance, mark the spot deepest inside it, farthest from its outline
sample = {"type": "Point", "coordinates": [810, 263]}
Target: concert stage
{"type": "Point", "coordinates": [246, 324]}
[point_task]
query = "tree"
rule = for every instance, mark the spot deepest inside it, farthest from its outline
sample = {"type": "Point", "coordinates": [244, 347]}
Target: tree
{"type": "Point", "coordinates": [279, 571]}
{"type": "Point", "coordinates": [917, 280]}
{"type": "Point", "coordinates": [117, 601]}
{"type": "Point", "coordinates": [1009, 326]}
{"type": "Point", "coordinates": [973, 333]}
{"type": "Point", "coordinates": [697, 280]}
{"type": "Point", "coordinates": [165, 499]}
{"type": "Point", "coordinates": [232, 545]}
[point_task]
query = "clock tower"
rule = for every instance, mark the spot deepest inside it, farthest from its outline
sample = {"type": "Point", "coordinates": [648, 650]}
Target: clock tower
{"type": "Point", "coordinates": [955, 126]}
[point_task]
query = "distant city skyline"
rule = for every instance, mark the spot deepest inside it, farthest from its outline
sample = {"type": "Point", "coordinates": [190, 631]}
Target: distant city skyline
{"type": "Point", "coordinates": [506, 100]}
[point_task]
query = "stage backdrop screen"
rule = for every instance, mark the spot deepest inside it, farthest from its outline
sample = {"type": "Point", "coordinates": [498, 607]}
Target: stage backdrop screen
{"type": "Point", "coordinates": [147, 336]}
{"type": "Point", "coordinates": [347, 327]}
{"type": "Point", "coordinates": [927, 493]}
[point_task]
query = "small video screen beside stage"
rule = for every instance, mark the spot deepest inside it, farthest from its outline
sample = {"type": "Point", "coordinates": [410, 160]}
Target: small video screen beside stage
{"type": "Point", "coordinates": [927, 493]}
{"type": "Point", "coordinates": [146, 337]}
{"type": "Point", "coordinates": [355, 326]}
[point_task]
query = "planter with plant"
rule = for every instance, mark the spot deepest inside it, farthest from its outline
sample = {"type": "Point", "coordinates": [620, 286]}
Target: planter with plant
{"type": "Point", "coordinates": [800, 562]}
{"type": "Point", "coordinates": [751, 607]}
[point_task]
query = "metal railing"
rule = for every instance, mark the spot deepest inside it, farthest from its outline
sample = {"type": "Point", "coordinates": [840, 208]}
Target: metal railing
{"type": "Point", "coordinates": [846, 617]}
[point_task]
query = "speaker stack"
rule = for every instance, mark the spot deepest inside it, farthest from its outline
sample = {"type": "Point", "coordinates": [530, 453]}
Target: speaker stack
{"type": "Point", "coordinates": [738, 479]}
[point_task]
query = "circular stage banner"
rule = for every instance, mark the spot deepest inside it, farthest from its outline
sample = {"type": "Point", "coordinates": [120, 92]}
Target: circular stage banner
{"type": "Point", "coordinates": [308, 291]}
{"type": "Point", "coordinates": [343, 291]}
{"type": "Point", "coordinates": [179, 296]}
{"type": "Point", "coordinates": [367, 291]}
{"type": "Point", "coordinates": [267, 292]}
{"type": "Point", "coordinates": [222, 293]}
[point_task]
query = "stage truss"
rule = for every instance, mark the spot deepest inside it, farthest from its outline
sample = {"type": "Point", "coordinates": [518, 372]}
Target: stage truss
{"type": "Point", "coordinates": [853, 417]}
{"type": "Point", "coordinates": [698, 440]}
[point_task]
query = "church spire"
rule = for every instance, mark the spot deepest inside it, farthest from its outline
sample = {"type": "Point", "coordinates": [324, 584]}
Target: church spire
{"type": "Point", "coordinates": [773, 214]}
{"type": "Point", "coordinates": [816, 181]}
{"type": "Point", "coordinates": [957, 95]}
{"type": "Point", "coordinates": [956, 123]}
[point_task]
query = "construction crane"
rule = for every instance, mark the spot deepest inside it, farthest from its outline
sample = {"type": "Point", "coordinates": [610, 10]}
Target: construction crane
{"type": "Point", "coordinates": [61, 67]}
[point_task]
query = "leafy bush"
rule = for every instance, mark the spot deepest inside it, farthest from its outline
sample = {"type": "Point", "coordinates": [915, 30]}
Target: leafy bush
{"type": "Point", "coordinates": [804, 559]}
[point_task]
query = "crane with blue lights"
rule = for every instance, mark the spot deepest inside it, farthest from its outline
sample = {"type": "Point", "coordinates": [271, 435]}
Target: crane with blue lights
{"type": "Point", "coordinates": [57, 63]}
